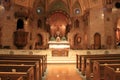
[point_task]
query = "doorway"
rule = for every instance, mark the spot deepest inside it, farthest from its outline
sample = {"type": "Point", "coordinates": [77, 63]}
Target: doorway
{"type": "Point", "coordinates": [97, 41]}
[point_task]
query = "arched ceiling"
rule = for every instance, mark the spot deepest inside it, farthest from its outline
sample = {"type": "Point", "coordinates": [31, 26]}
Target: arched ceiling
{"type": "Point", "coordinates": [85, 4]}
{"type": "Point", "coordinates": [58, 5]}
{"type": "Point", "coordinates": [67, 6]}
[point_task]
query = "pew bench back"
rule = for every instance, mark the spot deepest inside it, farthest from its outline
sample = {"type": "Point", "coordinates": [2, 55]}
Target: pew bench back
{"type": "Point", "coordinates": [98, 67]}
{"type": "Point", "coordinates": [112, 72]}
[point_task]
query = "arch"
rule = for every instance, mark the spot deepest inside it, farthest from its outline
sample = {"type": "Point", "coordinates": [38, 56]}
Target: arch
{"type": "Point", "coordinates": [58, 5]}
{"type": "Point", "coordinates": [20, 24]}
{"type": "Point", "coordinates": [58, 9]}
{"type": "Point", "coordinates": [39, 23]}
{"type": "Point", "coordinates": [97, 41]}
{"type": "Point", "coordinates": [76, 7]}
{"type": "Point", "coordinates": [58, 22]}
{"type": "Point", "coordinates": [39, 41]}
{"type": "Point", "coordinates": [77, 39]}
{"type": "Point", "coordinates": [76, 23]}
{"type": "Point", "coordinates": [117, 5]}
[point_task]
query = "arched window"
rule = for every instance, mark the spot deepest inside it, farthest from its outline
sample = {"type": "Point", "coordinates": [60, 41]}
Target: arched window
{"type": "Point", "coordinates": [117, 5]}
{"type": "Point", "coordinates": [97, 41]}
{"type": "Point", "coordinates": [76, 23]}
{"type": "Point", "coordinates": [20, 24]}
{"type": "Point", "coordinates": [39, 36]}
{"type": "Point", "coordinates": [39, 23]}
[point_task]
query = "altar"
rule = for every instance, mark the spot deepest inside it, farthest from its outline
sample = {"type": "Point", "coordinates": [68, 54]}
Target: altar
{"type": "Point", "coordinates": [58, 45]}
{"type": "Point", "coordinates": [60, 48]}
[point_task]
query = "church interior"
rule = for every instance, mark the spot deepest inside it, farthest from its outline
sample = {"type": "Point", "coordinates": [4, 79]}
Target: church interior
{"type": "Point", "coordinates": [61, 33]}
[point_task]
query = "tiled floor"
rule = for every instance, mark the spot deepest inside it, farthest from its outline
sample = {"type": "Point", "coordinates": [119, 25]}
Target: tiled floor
{"type": "Point", "coordinates": [62, 72]}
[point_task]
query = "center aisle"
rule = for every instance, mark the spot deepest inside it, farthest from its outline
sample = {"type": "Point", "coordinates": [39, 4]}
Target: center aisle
{"type": "Point", "coordinates": [62, 72]}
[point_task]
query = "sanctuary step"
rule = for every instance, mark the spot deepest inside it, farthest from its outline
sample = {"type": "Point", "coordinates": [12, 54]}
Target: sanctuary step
{"type": "Point", "coordinates": [70, 58]}
{"type": "Point", "coordinates": [61, 59]}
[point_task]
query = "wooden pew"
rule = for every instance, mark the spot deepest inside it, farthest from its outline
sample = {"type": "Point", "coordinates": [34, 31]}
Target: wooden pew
{"type": "Point", "coordinates": [41, 58]}
{"type": "Point", "coordinates": [112, 72]}
{"type": "Point", "coordinates": [84, 57]}
{"type": "Point", "coordinates": [20, 78]}
{"type": "Point", "coordinates": [23, 62]}
{"type": "Point", "coordinates": [89, 65]}
{"type": "Point", "coordinates": [98, 68]}
{"type": "Point", "coordinates": [78, 62]}
{"type": "Point", "coordinates": [13, 76]}
{"type": "Point", "coordinates": [26, 69]}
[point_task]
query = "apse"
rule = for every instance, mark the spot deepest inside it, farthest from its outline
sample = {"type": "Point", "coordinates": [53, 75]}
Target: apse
{"type": "Point", "coordinates": [58, 23]}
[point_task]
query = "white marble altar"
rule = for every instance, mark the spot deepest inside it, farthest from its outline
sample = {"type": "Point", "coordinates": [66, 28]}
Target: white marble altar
{"type": "Point", "coordinates": [59, 45]}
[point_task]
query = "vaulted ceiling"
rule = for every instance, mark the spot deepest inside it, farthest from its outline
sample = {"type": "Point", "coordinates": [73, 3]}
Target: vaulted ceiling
{"type": "Point", "coordinates": [65, 5]}
{"type": "Point", "coordinates": [47, 7]}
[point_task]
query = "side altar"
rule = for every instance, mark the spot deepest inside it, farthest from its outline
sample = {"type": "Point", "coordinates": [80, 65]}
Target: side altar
{"type": "Point", "coordinates": [60, 48]}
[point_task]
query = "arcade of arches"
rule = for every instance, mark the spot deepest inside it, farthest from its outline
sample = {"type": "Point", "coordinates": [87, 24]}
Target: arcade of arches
{"type": "Point", "coordinates": [83, 24]}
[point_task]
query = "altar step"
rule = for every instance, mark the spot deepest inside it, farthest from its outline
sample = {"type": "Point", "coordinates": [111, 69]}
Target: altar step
{"type": "Point", "coordinates": [61, 59]}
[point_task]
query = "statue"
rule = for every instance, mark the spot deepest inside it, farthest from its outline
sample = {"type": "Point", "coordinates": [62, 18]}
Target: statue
{"type": "Point", "coordinates": [58, 39]}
